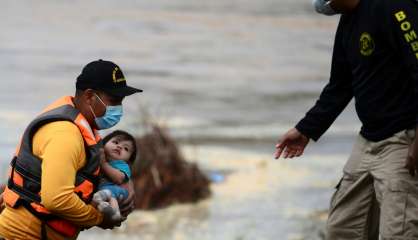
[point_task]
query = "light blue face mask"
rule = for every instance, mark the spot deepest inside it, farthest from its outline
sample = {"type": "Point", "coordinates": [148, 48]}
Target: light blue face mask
{"type": "Point", "coordinates": [111, 117]}
{"type": "Point", "coordinates": [324, 7]}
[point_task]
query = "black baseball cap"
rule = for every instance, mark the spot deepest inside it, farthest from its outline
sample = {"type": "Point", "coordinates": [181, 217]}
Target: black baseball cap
{"type": "Point", "coordinates": [105, 76]}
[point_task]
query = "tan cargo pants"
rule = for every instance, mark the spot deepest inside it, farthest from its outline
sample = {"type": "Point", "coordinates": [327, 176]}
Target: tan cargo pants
{"type": "Point", "coordinates": [376, 195]}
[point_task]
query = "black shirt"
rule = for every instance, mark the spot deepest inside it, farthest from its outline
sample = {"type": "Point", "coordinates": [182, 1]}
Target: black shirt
{"type": "Point", "coordinates": [375, 60]}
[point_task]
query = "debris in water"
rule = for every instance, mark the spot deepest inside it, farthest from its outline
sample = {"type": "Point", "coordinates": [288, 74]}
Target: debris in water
{"type": "Point", "coordinates": [162, 176]}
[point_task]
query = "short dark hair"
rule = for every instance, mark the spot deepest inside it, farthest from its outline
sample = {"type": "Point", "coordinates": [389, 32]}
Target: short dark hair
{"type": "Point", "coordinates": [124, 136]}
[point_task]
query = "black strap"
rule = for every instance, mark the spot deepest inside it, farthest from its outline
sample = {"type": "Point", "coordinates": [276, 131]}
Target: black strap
{"type": "Point", "coordinates": [25, 194]}
{"type": "Point", "coordinates": [41, 216]}
{"type": "Point", "coordinates": [22, 192]}
{"type": "Point", "coordinates": [22, 171]}
{"type": "Point", "coordinates": [44, 236]}
{"type": "Point", "coordinates": [10, 183]}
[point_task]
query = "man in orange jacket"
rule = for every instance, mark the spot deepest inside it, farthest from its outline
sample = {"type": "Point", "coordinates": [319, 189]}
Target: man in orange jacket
{"type": "Point", "coordinates": [55, 169]}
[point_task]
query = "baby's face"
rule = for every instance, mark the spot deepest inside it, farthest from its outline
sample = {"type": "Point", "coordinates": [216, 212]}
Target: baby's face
{"type": "Point", "coordinates": [118, 149]}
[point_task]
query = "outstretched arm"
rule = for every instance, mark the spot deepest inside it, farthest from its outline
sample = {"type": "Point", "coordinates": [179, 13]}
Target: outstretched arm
{"type": "Point", "coordinates": [332, 101]}
{"type": "Point", "coordinates": [334, 97]}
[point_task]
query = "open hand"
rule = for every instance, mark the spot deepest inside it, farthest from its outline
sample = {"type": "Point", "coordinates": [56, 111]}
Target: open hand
{"type": "Point", "coordinates": [292, 143]}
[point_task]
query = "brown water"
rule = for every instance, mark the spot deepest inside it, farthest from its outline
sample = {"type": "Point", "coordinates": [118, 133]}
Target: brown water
{"type": "Point", "coordinates": [227, 77]}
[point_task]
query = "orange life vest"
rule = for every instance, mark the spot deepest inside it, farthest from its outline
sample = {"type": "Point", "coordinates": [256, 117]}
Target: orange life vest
{"type": "Point", "coordinates": [24, 184]}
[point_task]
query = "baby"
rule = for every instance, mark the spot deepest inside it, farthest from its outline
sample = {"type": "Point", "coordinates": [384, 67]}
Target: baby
{"type": "Point", "coordinates": [119, 154]}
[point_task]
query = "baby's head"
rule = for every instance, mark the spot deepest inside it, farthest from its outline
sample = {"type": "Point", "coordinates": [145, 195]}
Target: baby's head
{"type": "Point", "coordinates": [120, 145]}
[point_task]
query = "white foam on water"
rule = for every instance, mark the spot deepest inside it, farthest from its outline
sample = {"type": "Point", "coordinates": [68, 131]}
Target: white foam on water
{"type": "Point", "coordinates": [180, 122]}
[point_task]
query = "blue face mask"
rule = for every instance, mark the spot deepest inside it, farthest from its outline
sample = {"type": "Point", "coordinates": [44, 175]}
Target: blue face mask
{"type": "Point", "coordinates": [323, 7]}
{"type": "Point", "coordinates": [111, 117]}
